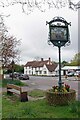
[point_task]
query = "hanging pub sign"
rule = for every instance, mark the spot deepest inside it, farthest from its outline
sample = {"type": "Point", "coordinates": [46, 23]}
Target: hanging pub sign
{"type": "Point", "coordinates": [58, 31]}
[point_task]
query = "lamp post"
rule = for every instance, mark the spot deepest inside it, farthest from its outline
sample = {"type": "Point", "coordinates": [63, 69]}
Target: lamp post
{"type": "Point", "coordinates": [59, 36]}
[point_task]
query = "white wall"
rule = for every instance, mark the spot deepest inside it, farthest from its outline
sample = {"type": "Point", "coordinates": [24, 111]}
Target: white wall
{"type": "Point", "coordinates": [40, 71]}
{"type": "Point", "coordinates": [44, 69]}
{"type": "Point", "coordinates": [24, 70]}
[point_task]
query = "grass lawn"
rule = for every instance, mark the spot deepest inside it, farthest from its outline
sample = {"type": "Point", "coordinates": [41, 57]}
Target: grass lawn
{"type": "Point", "coordinates": [13, 108]}
{"type": "Point", "coordinates": [10, 81]}
{"type": "Point", "coordinates": [0, 83]}
{"type": "Point", "coordinates": [0, 106]}
{"type": "Point", "coordinates": [36, 93]}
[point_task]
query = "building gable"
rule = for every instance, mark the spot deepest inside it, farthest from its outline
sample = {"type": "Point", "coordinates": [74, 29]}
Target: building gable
{"type": "Point", "coordinates": [42, 66]}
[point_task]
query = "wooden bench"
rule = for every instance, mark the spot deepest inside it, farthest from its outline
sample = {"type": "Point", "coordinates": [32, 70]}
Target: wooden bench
{"type": "Point", "coordinates": [11, 88]}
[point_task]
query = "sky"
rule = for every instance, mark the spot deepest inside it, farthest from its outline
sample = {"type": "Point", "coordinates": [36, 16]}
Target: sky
{"type": "Point", "coordinates": [33, 32]}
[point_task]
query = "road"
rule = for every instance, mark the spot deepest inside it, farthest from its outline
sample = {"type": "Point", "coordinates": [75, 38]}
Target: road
{"type": "Point", "coordinates": [48, 82]}
{"type": "Point", "coordinates": [45, 83]}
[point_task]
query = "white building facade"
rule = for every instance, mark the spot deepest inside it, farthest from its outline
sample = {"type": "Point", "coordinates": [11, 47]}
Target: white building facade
{"type": "Point", "coordinates": [43, 67]}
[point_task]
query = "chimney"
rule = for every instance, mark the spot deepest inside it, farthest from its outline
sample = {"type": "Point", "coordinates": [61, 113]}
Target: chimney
{"type": "Point", "coordinates": [49, 60]}
{"type": "Point", "coordinates": [41, 59]}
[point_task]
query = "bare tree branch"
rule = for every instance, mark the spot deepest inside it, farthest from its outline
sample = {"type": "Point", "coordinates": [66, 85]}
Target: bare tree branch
{"type": "Point", "coordinates": [29, 5]}
{"type": "Point", "coordinates": [8, 44]}
{"type": "Point", "coordinates": [74, 6]}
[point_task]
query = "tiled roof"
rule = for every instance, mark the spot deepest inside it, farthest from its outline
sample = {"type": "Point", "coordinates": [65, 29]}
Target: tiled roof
{"type": "Point", "coordinates": [51, 67]}
{"type": "Point", "coordinates": [34, 64]}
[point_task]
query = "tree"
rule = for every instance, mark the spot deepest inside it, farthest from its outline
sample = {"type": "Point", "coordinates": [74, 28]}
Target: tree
{"type": "Point", "coordinates": [9, 50]}
{"type": "Point", "coordinates": [29, 5]}
{"type": "Point", "coordinates": [76, 59]}
{"type": "Point", "coordinates": [8, 45]}
{"type": "Point", "coordinates": [64, 63]}
{"type": "Point", "coordinates": [19, 68]}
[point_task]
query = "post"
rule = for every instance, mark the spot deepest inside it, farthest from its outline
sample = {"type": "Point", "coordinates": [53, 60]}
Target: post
{"type": "Point", "coordinates": [60, 82]}
{"type": "Point", "coordinates": [59, 36]}
{"type": "Point", "coordinates": [12, 69]}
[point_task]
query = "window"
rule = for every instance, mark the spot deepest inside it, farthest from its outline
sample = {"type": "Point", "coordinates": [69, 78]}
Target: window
{"type": "Point", "coordinates": [36, 72]}
{"type": "Point", "coordinates": [40, 72]}
{"type": "Point", "coordinates": [45, 72]}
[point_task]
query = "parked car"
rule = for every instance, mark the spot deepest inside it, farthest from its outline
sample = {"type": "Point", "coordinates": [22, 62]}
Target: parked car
{"type": "Point", "coordinates": [70, 74]}
{"type": "Point", "coordinates": [77, 73]}
{"type": "Point", "coordinates": [24, 77]}
{"type": "Point", "coordinates": [15, 75]}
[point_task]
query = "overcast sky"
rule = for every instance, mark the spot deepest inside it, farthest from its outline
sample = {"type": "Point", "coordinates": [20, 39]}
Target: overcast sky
{"type": "Point", "coordinates": [33, 32]}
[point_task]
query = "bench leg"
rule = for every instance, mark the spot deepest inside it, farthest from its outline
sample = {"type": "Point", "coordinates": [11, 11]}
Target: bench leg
{"type": "Point", "coordinates": [24, 97]}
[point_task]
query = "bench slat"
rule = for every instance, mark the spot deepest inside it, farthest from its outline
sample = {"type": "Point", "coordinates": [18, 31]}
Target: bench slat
{"type": "Point", "coordinates": [14, 91]}
{"type": "Point", "coordinates": [14, 87]}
